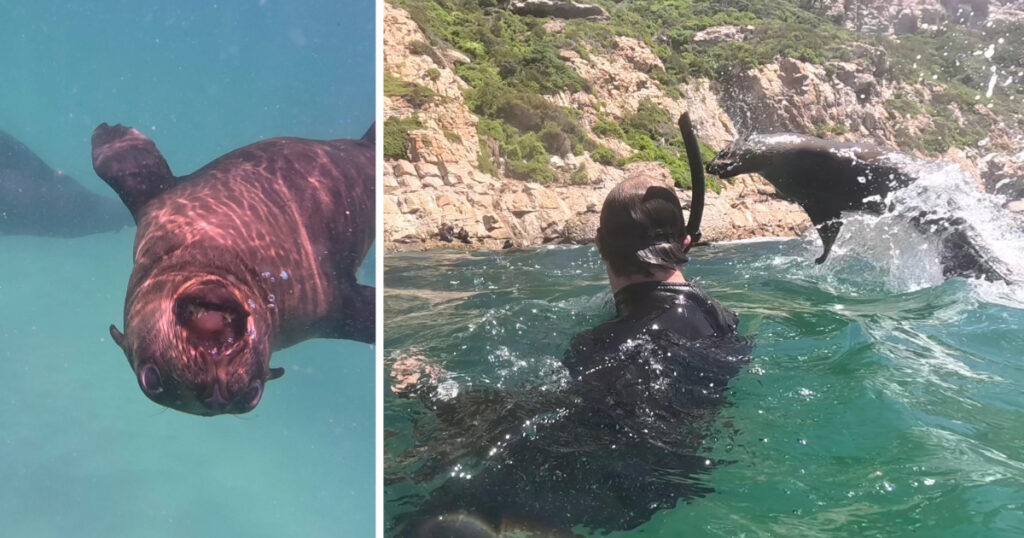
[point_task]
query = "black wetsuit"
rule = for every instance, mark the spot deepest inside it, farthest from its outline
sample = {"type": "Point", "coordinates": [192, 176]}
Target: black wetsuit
{"type": "Point", "coordinates": [623, 444]}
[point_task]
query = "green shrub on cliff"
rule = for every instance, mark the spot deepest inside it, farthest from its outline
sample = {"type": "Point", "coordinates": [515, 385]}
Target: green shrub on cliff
{"type": "Point", "coordinates": [535, 170]}
{"type": "Point", "coordinates": [603, 155]}
{"type": "Point", "coordinates": [953, 57]}
{"type": "Point", "coordinates": [579, 176]}
{"type": "Point", "coordinates": [484, 161]}
{"type": "Point", "coordinates": [525, 154]}
{"type": "Point", "coordinates": [780, 28]}
{"type": "Point", "coordinates": [424, 49]}
{"type": "Point", "coordinates": [506, 48]}
{"type": "Point", "coordinates": [414, 94]}
{"type": "Point", "coordinates": [396, 136]}
{"type": "Point", "coordinates": [653, 133]}
{"type": "Point", "coordinates": [514, 61]}
{"type": "Point", "coordinates": [608, 128]}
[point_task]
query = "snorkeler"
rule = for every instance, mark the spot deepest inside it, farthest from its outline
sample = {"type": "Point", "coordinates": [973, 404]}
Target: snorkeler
{"type": "Point", "coordinates": [642, 240]}
{"type": "Point", "coordinates": [624, 440]}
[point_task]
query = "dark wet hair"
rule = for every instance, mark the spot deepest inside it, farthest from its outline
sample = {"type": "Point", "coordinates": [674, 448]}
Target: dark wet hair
{"type": "Point", "coordinates": [642, 226]}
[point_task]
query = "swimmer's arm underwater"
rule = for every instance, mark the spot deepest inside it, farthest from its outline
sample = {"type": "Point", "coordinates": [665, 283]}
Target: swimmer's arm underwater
{"type": "Point", "coordinates": [469, 421]}
{"type": "Point", "coordinates": [415, 377]}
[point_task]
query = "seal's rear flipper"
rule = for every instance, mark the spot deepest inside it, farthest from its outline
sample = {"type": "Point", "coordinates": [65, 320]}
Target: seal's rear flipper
{"type": "Point", "coordinates": [960, 256]}
{"type": "Point", "coordinates": [130, 163]}
{"type": "Point", "coordinates": [371, 134]}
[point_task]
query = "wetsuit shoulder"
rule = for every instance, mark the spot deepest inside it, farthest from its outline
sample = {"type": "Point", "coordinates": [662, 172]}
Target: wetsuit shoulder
{"type": "Point", "coordinates": [658, 325]}
{"type": "Point", "coordinates": [723, 320]}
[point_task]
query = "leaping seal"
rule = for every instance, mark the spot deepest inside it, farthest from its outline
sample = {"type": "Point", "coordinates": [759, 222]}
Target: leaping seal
{"type": "Point", "coordinates": [826, 178]}
{"type": "Point", "coordinates": [253, 252]}
{"type": "Point", "coordinates": [37, 200]}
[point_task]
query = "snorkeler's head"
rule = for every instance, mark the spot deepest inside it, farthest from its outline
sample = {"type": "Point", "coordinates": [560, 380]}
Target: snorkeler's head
{"type": "Point", "coordinates": [641, 228]}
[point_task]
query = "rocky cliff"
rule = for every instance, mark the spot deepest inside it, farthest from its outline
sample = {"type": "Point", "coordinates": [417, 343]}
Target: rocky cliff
{"type": "Point", "coordinates": [440, 191]}
{"type": "Point", "coordinates": [898, 17]}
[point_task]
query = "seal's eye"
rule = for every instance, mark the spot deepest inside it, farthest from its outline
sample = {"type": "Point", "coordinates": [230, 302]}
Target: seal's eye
{"type": "Point", "coordinates": [149, 378]}
{"type": "Point", "coordinates": [252, 395]}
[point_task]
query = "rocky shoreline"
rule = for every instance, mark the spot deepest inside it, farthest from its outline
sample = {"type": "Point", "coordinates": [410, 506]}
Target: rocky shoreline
{"type": "Point", "coordinates": [440, 197]}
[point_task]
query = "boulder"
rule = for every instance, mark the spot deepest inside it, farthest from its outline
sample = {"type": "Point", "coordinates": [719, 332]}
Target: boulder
{"type": "Point", "coordinates": [582, 229]}
{"type": "Point", "coordinates": [721, 34]}
{"type": "Point", "coordinates": [559, 9]}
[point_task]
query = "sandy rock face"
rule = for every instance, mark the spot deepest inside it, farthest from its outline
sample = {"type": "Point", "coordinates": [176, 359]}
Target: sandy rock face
{"type": "Point", "coordinates": [897, 17]}
{"type": "Point", "coordinates": [449, 129]}
{"type": "Point", "coordinates": [842, 100]}
{"type": "Point", "coordinates": [1003, 175]}
{"type": "Point", "coordinates": [622, 80]}
{"type": "Point", "coordinates": [1006, 10]}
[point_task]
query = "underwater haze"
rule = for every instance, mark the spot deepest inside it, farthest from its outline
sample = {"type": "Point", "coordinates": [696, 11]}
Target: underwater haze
{"type": "Point", "coordinates": [82, 451]}
{"type": "Point", "coordinates": [876, 402]}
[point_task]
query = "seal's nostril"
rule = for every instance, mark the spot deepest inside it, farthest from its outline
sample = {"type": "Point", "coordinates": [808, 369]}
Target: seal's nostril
{"type": "Point", "coordinates": [149, 378]}
{"type": "Point", "coordinates": [253, 395]}
{"type": "Point", "coordinates": [217, 401]}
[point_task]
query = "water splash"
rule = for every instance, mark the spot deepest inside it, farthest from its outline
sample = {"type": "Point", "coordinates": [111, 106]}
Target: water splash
{"type": "Point", "coordinates": [908, 252]}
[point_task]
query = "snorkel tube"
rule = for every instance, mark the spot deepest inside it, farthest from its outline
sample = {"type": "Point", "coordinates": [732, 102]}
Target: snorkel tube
{"type": "Point", "coordinates": [697, 179]}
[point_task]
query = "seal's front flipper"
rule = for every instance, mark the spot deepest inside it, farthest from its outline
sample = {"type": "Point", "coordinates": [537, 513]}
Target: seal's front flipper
{"type": "Point", "coordinates": [358, 315]}
{"type": "Point", "coordinates": [117, 335]}
{"type": "Point", "coordinates": [827, 222]}
{"type": "Point", "coordinates": [130, 163]}
{"type": "Point", "coordinates": [828, 231]}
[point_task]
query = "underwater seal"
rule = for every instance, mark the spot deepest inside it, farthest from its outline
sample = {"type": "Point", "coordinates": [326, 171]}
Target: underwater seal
{"type": "Point", "coordinates": [38, 200]}
{"type": "Point", "coordinates": [254, 252]}
{"type": "Point", "coordinates": [826, 177]}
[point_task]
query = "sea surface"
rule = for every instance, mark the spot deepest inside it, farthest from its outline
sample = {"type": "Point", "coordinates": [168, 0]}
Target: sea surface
{"type": "Point", "coordinates": [82, 451]}
{"type": "Point", "coordinates": [880, 400]}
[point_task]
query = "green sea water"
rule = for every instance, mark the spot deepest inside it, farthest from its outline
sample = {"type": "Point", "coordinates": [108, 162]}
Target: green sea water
{"type": "Point", "coordinates": [82, 451]}
{"type": "Point", "coordinates": [870, 407]}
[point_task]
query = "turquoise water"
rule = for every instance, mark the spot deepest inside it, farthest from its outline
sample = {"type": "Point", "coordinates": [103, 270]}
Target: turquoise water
{"type": "Point", "coordinates": [82, 451]}
{"type": "Point", "coordinates": [869, 408]}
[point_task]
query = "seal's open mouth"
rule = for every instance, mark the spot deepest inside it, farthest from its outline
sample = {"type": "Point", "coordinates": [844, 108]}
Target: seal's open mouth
{"type": "Point", "coordinates": [212, 318]}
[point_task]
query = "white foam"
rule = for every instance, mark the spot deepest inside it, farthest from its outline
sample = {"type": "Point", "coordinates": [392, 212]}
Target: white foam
{"type": "Point", "coordinates": [779, 138]}
{"type": "Point", "coordinates": [770, 239]}
{"type": "Point", "coordinates": [910, 257]}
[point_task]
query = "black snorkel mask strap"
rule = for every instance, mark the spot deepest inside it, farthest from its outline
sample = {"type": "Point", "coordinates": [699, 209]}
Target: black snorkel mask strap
{"type": "Point", "coordinates": [697, 179]}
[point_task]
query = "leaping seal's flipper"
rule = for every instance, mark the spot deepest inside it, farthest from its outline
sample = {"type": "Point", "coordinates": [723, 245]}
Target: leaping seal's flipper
{"type": "Point", "coordinates": [827, 222]}
{"type": "Point", "coordinates": [960, 256]}
{"type": "Point", "coordinates": [130, 163]}
{"type": "Point", "coordinates": [371, 134]}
